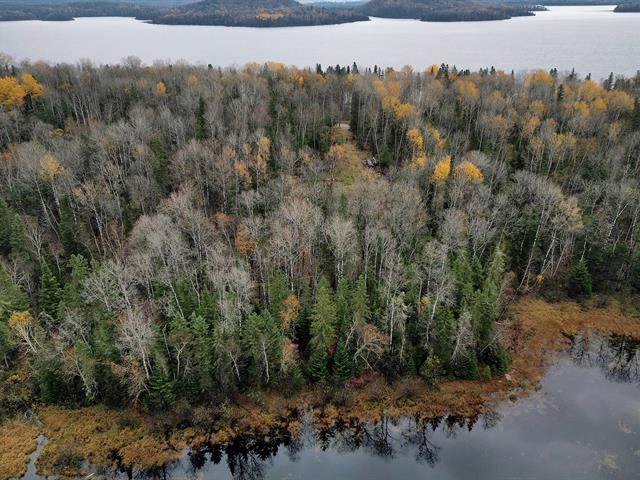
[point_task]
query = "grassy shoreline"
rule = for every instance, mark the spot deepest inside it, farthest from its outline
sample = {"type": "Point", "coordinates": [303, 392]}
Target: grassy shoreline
{"type": "Point", "coordinates": [535, 328]}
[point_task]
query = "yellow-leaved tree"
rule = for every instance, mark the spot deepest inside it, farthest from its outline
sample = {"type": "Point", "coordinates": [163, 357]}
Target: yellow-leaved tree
{"type": "Point", "coordinates": [161, 88]}
{"type": "Point", "coordinates": [12, 93]}
{"type": "Point", "coordinates": [441, 171]}
{"type": "Point", "coordinates": [469, 171]}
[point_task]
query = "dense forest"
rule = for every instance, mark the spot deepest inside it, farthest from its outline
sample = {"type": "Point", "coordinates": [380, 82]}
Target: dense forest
{"type": "Point", "coordinates": [184, 232]}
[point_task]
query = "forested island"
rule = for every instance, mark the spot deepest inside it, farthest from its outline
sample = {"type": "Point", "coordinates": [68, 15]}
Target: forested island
{"type": "Point", "coordinates": [266, 13]}
{"type": "Point", "coordinates": [447, 10]}
{"type": "Point", "coordinates": [628, 7]}
{"type": "Point", "coordinates": [185, 236]}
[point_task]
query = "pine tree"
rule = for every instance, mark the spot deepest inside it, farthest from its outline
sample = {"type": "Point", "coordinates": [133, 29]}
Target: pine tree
{"type": "Point", "coordinates": [295, 379]}
{"type": "Point", "coordinates": [17, 241]}
{"type": "Point", "coordinates": [71, 296]}
{"type": "Point", "coordinates": [201, 122]}
{"type": "Point", "coordinates": [342, 362]}
{"type": "Point", "coordinates": [204, 345]}
{"type": "Point", "coordinates": [343, 305]}
{"type": "Point", "coordinates": [361, 311]}
{"type": "Point", "coordinates": [580, 280]}
{"type": "Point", "coordinates": [161, 388]}
{"type": "Point", "coordinates": [161, 166]}
{"type": "Point", "coordinates": [318, 364]}
{"type": "Point", "coordinates": [444, 328]}
{"type": "Point", "coordinates": [262, 344]}
{"type": "Point", "coordinates": [50, 291]}
{"type": "Point", "coordinates": [463, 274]}
{"type": "Point", "coordinates": [68, 229]}
{"type": "Point", "coordinates": [323, 317]}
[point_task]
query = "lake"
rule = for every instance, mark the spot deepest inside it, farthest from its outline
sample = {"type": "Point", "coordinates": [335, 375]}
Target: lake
{"type": "Point", "coordinates": [591, 39]}
{"type": "Point", "coordinates": [582, 423]}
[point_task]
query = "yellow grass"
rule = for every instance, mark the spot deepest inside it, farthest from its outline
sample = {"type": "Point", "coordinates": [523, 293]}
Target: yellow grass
{"type": "Point", "coordinates": [17, 442]}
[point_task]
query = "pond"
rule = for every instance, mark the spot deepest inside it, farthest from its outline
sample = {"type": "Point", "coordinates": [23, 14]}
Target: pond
{"type": "Point", "coordinates": [591, 39]}
{"type": "Point", "coordinates": [583, 422]}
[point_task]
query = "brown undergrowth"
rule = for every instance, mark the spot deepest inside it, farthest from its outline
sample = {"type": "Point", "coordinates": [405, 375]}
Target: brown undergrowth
{"type": "Point", "coordinates": [535, 331]}
{"type": "Point", "coordinates": [17, 442]}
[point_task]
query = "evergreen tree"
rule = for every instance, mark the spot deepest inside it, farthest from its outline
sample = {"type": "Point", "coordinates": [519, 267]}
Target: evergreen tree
{"type": "Point", "coordinates": [50, 291]}
{"type": "Point", "coordinates": [161, 388]}
{"type": "Point", "coordinates": [318, 364]}
{"type": "Point", "coordinates": [6, 218]}
{"type": "Point", "coordinates": [323, 317]}
{"type": "Point", "coordinates": [161, 165]}
{"type": "Point", "coordinates": [68, 229]}
{"type": "Point", "coordinates": [204, 351]}
{"type": "Point", "coordinates": [342, 362]}
{"type": "Point", "coordinates": [463, 274]}
{"type": "Point", "coordinates": [580, 280]}
{"type": "Point", "coordinates": [444, 327]}
{"type": "Point", "coordinates": [343, 305]}
{"type": "Point", "coordinates": [262, 344]}
{"type": "Point", "coordinates": [17, 240]}
{"type": "Point", "coordinates": [361, 311]}
{"type": "Point", "coordinates": [71, 295]}
{"type": "Point", "coordinates": [201, 122]}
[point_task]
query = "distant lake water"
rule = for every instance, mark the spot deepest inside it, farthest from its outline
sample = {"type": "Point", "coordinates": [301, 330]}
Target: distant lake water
{"type": "Point", "coordinates": [591, 39]}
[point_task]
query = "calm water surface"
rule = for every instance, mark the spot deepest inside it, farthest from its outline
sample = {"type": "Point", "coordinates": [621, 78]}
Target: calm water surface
{"type": "Point", "coordinates": [582, 423]}
{"type": "Point", "coordinates": [587, 38]}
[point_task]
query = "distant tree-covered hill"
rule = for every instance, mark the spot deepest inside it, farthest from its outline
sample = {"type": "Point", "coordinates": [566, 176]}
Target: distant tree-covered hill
{"type": "Point", "coordinates": [248, 13]}
{"type": "Point", "coordinates": [445, 10]}
{"type": "Point", "coordinates": [628, 7]}
{"type": "Point", "coordinates": [255, 13]}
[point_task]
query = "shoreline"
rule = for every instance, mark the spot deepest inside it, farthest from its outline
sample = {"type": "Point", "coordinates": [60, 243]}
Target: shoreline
{"type": "Point", "coordinates": [130, 439]}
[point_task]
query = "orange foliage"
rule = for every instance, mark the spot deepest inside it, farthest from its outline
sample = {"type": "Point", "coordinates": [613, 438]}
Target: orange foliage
{"type": "Point", "coordinates": [469, 171]}
{"type": "Point", "coordinates": [11, 92]}
{"type": "Point", "coordinates": [31, 85]}
{"type": "Point", "coordinates": [442, 170]}
{"type": "Point", "coordinates": [161, 88]}
{"type": "Point", "coordinates": [49, 166]}
{"type": "Point", "coordinates": [289, 311]}
{"type": "Point", "coordinates": [415, 138]}
{"type": "Point", "coordinates": [265, 15]}
{"type": "Point", "coordinates": [244, 243]}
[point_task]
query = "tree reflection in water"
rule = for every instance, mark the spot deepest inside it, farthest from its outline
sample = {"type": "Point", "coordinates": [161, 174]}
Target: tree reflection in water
{"type": "Point", "coordinates": [248, 457]}
{"type": "Point", "coordinates": [618, 356]}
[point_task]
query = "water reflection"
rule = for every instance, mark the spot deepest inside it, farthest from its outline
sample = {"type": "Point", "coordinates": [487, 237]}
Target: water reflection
{"type": "Point", "coordinates": [618, 356]}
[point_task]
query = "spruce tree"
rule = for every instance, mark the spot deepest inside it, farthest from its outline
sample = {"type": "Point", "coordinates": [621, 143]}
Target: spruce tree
{"type": "Point", "coordinates": [71, 295]}
{"type": "Point", "coordinates": [17, 241]}
{"type": "Point", "coordinates": [201, 122]}
{"type": "Point", "coordinates": [50, 291]}
{"type": "Point", "coordinates": [342, 363]}
{"type": "Point", "coordinates": [580, 280]}
{"type": "Point", "coordinates": [360, 308]}
{"type": "Point", "coordinates": [463, 274]}
{"type": "Point", "coordinates": [323, 317]}
{"type": "Point", "coordinates": [318, 364]}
